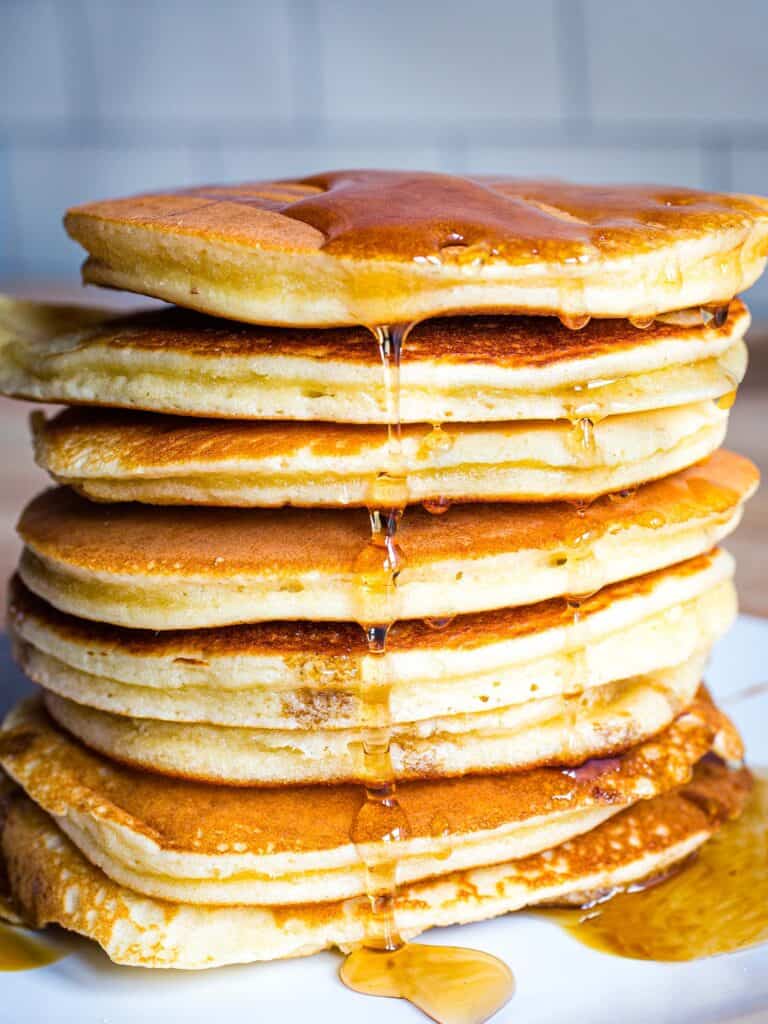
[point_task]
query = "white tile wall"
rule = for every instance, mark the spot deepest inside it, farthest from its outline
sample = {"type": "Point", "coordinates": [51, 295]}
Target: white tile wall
{"type": "Point", "coordinates": [702, 61]}
{"type": "Point", "coordinates": [679, 165]}
{"type": "Point", "coordinates": [430, 61]}
{"type": "Point", "coordinates": [99, 97]}
{"type": "Point", "coordinates": [191, 61]}
{"type": "Point", "coordinates": [750, 174]}
{"type": "Point", "coordinates": [46, 181]}
{"type": "Point", "coordinates": [241, 164]}
{"type": "Point", "coordinates": [34, 81]}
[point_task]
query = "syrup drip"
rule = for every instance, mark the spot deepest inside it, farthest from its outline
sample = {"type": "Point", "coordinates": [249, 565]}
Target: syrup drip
{"type": "Point", "coordinates": [437, 506]}
{"type": "Point", "coordinates": [454, 986]}
{"type": "Point", "coordinates": [726, 401]}
{"type": "Point", "coordinates": [574, 321]}
{"type": "Point", "coordinates": [586, 429]}
{"type": "Point", "coordinates": [451, 985]}
{"type": "Point", "coordinates": [717, 903]}
{"type": "Point", "coordinates": [715, 315]}
{"type": "Point", "coordinates": [642, 323]}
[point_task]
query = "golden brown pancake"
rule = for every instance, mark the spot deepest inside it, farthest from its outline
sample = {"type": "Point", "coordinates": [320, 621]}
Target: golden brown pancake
{"type": "Point", "coordinates": [166, 460]}
{"type": "Point", "coordinates": [218, 844]}
{"type": "Point", "coordinates": [381, 246]}
{"type": "Point", "coordinates": [464, 369]}
{"type": "Point", "coordinates": [564, 730]}
{"type": "Point", "coordinates": [163, 568]}
{"type": "Point", "coordinates": [300, 675]}
{"type": "Point", "coordinates": [53, 883]}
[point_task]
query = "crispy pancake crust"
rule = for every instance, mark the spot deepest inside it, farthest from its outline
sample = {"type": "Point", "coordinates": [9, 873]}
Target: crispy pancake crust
{"type": "Point", "coordinates": [463, 369]}
{"type": "Point", "coordinates": [53, 883]}
{"type": "Point", "coordinates": [163, 568]}
{"type": "Point", "coordinates": [227, 844]}
{"type": "Point", "coordinates": [295, 675]}
{"type": "Point", "coordinates": [563, 730]}
{"type": "Point", "coordinates": [164, 460]}
{"type": "Point", "coordinates": [373, 246]}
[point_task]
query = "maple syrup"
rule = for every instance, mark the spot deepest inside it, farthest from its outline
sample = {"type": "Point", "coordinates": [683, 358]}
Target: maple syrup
{"type": "Point", "coordinates": [21, 950]}
{"type": "Point", "coordinates": [450, 985]}
{"type": "Point", "coordinates": [717, 902]}
{"type": "Point", "coordinates": [454, 986]}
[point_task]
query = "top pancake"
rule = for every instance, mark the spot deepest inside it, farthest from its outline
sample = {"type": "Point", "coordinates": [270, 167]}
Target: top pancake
{"type": "Point", "coordinates": [388, 246]}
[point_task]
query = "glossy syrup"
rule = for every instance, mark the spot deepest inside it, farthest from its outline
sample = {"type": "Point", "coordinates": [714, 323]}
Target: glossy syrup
{"type": "Point", "coordinates": [717, 903]}
{"type": "Point", "coordinates": [22, 951]}
{"type": "Point", "coordinates": [453, 986]}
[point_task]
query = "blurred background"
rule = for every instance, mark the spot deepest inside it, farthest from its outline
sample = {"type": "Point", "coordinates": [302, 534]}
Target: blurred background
{"type": "Point", "coordinates": [107, 97]}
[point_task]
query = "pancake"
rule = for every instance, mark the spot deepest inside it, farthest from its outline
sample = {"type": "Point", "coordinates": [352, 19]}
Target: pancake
{"type": "Point", "coordinates": [161, 568]}
{"type": "Point", "coordinates": [468, 369]}
{"type": "Point", "coordinates": [307, 675]}
{"type": "Point", "coordinates": [381, 246]}
{"type": "Point", "coordinates": [54, 883]}
{"type": "Point", "coordinates": [192, 842]}
{"type": "Point", "coordinates": [113, 456]}
{"type": "Point", "coordinates": [554, 731]}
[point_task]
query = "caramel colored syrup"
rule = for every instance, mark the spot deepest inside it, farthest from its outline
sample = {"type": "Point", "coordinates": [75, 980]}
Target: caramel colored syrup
{"type": "Point", "coordinates": [453, 986]}
{"type": "Point", "coordinates": [22, 951]}
{"type": "Point", "coordinates": [431, 218]}
{"type": "Point", "coordinates": [381, 822]}
{"type": "Point", "coordinates": [726, 401]}
{"type": "Point", "coordinates": [717, 903]}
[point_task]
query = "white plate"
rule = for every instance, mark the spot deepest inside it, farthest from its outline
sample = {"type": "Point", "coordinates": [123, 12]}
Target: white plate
{"type": "Point", "coordinates": [557, 978]}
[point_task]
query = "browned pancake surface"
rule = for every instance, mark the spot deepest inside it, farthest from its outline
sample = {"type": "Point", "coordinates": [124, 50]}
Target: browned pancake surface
{"type": "Point", "coordinates": [217, 542]}
{"type": "Point", "coordinates": [334, 639]}
{"type": "Point", "coordinates": [508, 341]}
{"type": "Point", "coordinates": [185, 815]}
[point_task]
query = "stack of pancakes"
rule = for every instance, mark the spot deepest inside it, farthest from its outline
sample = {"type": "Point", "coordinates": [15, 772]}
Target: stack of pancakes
{"type": "Point", "coordinates": [198, 596]}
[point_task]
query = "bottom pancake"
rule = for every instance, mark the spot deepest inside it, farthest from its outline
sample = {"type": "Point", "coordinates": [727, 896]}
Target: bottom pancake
{"type": "Point", "coordinates": [53, 883]}
{"type": "Point", "coordinates": [191, 842]}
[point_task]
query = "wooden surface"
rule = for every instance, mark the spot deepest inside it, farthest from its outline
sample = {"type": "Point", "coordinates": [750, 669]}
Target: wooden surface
{"type": "Point", "coordinates": [748, 433]}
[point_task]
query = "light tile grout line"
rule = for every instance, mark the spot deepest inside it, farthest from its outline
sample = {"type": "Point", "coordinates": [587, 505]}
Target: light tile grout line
{"type": "Point", "coordinates": [195, 134]}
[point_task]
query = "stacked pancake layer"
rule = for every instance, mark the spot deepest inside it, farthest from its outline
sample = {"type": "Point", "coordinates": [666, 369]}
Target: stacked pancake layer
{"type": "Point", "coordinates": [529, 691]}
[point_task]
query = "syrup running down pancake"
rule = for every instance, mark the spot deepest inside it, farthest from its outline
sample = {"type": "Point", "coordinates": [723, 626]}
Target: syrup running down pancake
{"type": "Point", "coordinates": [163, 568]}
{"type": "Point", "coordinates": [55, 883]}
{"type": "Point", "coordinates": [466, 369]}
{"type": "Point", "coordinates": [181, 840]}
{"type": "Point", "coordinates": [380, 247]}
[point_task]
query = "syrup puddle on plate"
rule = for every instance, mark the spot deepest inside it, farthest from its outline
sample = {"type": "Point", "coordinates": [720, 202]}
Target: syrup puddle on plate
{"type": "Point", "coordinates": [717, 903]}
{"type": "Point", "coordinates": [22, 950]}
{"type": "Point", "coordinates": [450, 985]}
